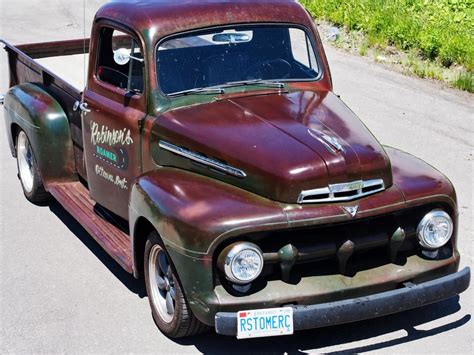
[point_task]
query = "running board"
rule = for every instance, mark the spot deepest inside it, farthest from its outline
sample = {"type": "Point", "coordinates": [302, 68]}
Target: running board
{"type": "Point", "coordinates": [74, 197]}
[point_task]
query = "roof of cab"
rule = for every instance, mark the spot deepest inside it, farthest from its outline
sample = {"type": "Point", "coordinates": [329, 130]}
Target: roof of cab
{"type": "Point", "coordinates": [155, 19]}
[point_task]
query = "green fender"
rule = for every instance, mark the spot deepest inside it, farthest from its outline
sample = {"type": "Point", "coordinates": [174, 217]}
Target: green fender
{"type": "Point", "coordinates": [194, 214]}
{"type": "Point", "coordinates": [149, 204]}
{"type": "Point", "coordinates": [36, 112]}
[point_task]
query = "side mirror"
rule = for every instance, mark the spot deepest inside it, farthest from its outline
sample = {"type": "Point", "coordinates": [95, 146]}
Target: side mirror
{"type": "Point", "coordinates": [333, 34]}
{"type": "Point", "coordinates": [122, 56]}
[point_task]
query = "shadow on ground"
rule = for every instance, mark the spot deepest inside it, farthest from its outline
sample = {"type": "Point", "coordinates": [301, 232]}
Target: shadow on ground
{"type": "Point", "coordinates": [211, 343]}
{"type": "Point", "coordinates": [134, 285]}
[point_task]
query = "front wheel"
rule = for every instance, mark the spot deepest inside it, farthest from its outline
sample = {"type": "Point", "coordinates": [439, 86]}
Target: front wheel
{"type": "Point", "coordinates": [28, 171]}
{"type": "Point", "coordinates": [170, 309]}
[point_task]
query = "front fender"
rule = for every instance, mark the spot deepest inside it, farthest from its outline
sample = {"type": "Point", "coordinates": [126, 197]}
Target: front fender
{"type": "Point", "coordinates": [46, 124]}
{"type": "Point", "coordinates": [190, 212]}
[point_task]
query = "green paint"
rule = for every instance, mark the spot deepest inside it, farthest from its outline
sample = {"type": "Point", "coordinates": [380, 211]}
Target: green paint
{"type": "Point", "coordinates": [106, 154]}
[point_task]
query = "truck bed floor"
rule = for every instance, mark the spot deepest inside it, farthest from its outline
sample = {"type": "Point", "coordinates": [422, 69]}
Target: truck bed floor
{"type": "Point", "coordinates": [74, 197]}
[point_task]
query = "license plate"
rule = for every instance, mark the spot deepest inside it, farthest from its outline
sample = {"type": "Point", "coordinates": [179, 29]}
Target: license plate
{"type": "Point", "coordinates": [264, 322]}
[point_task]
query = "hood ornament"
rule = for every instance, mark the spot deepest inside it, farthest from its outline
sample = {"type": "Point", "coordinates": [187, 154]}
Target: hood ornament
{"type": "Point", "coordinates": [331, 143]}
{"type": "Point", "coordinates": [351, 210]}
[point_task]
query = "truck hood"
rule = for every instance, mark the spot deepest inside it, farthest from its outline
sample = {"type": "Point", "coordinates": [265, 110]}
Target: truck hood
{"type": "Point", "coordinates": [283, 143]}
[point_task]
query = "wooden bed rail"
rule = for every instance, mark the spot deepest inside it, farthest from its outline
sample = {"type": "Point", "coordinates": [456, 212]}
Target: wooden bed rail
{"type": "Point", "coordinates": [55, 49]}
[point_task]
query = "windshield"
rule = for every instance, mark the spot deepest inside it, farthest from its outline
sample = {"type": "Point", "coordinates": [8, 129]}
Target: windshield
{"type": "Point", "coordinates": [241, 55]}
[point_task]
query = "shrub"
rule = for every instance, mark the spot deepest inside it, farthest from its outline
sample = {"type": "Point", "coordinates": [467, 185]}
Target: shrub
{"type": "Point", "coordinates": [441, 30]}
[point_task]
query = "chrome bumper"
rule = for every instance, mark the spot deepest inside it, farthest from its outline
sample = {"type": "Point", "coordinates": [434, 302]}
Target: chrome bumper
{"type": "Point", "coordinates": [356, 309]}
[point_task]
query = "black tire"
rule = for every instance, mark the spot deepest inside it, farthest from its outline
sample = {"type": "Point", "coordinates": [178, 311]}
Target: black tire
{"type": "Point", "coordinates": [30, 177]}
{"type": "Point", "coordinates": [182, 323]}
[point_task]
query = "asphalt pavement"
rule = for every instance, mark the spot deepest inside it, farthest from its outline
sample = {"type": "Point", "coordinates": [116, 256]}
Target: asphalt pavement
{"type": "Point", "coordinates": [59, 292]}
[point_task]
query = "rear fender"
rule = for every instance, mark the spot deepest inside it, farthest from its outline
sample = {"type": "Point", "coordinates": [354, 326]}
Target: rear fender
{"type": "Point", "coordinates": [36, 112]}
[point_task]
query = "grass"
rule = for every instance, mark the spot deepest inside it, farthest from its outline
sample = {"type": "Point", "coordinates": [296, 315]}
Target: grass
{"type": "Point", "coordinates": [441, 32]}
{"type": "Point", "coordinates": [363, 48]}
{"type": "Point", "coordinates": [421, 68]}
{"type": "Point", "coordinates": [464, 81]}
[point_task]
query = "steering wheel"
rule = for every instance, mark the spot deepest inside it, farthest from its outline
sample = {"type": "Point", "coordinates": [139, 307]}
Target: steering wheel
{"type": "Point", "coordinates": [269, 69]}
{"type": "Point", "coordinates": [113, 76]}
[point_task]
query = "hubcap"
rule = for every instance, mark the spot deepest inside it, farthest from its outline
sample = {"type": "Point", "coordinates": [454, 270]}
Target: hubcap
{"type": "Point", "coordinates": [25, 162]}
{"type": "Point", "coordinates": [162, 286]}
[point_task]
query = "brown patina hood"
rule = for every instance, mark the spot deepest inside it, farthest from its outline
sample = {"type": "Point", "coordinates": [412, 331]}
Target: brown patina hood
{"type": "Point", "coordinates": [283, 143]}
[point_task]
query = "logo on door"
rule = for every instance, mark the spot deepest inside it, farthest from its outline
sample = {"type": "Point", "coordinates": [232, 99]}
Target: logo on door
{"type": "Point", "coordinates": [109, 145]}
{"type": "Point", "coordinates": [117, 157]}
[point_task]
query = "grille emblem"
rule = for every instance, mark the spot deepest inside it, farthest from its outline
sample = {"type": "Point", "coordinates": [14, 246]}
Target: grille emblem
{"type": "Point", "coordinates": [351, 210]}
{"type": "Point", "coordinates": [342, 192]}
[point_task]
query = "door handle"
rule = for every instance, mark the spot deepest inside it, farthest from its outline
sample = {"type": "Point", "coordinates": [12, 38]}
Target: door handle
{"type": "Point", "coordinates": [81, 106]}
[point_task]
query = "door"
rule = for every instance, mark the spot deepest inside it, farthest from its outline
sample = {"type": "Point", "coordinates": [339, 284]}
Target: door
{"type": "Point", "coordinates": [114, 106]}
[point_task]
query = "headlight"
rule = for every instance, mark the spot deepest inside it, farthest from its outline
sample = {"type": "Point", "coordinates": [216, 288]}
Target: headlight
{"type": "Point", "coordinates": [435, 229]}
{"type": "Point", "coordinates": [241, 262]}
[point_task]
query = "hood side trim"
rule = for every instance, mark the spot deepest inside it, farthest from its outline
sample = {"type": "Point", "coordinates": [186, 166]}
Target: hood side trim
{"type": "Point", "coordinates": [201, 159]}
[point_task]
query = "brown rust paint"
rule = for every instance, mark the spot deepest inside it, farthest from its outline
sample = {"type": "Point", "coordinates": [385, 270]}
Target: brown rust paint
{"type": "Point", "coordinates": [274, 131]}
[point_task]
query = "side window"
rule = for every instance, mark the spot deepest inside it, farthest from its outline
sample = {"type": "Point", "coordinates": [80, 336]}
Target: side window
{"type": "Point", "coordinates": [302, 49]}
{"type": "Point", "coordinates": [126, 73]}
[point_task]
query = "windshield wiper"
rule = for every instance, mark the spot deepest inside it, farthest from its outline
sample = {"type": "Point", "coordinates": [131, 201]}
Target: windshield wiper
{"type": "Point", "coordinates": [219, 90]}
{"type": "Point", "coordinates": [260, 82]}
{"type": "Point", "coordinates": [198, 91]}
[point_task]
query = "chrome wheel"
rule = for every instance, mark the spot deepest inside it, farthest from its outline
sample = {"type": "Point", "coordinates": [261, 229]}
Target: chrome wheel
{"type": "Point", "coordinates": [25, 162]}
{"type": "Point", "coordinates": [169, 307]}
{"type": "Point", "coordinates": [162, 281]}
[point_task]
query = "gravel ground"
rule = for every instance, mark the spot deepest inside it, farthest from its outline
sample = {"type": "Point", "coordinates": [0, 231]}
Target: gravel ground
{"type": "Point", "coordinates": [59, 292]}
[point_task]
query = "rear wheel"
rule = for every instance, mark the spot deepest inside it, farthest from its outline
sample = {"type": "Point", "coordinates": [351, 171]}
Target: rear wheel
{"type": "Point", "coordinates": [170, 309]}
{"type": "Point", "coordinates": [28, 171]}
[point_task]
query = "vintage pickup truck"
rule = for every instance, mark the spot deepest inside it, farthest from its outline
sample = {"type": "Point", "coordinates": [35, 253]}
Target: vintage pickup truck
{"type": "Point", "coordinates": [209, 156]}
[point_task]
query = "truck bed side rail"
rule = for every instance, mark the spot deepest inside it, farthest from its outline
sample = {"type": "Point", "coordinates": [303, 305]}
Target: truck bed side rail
{"type": "Point", "coordinates": [55, 49]}
{"type": "Point", "coordinates": [25, 69]}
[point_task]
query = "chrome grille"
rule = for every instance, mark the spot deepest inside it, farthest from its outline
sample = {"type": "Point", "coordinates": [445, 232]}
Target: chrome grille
{"type": "Point", "coordinates": [342, 192]}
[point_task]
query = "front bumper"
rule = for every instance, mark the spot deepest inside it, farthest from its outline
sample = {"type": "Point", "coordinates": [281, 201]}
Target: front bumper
{"type": "Point", "coordinates": [356, 309]}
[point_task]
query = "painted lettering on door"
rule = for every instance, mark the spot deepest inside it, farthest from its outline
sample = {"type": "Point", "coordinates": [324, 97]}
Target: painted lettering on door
{"type": "Point", "coordinates": [114, 179]}
{"type": "Point", "coordinates": [101, 134]}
